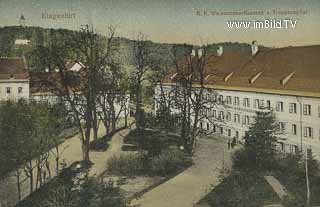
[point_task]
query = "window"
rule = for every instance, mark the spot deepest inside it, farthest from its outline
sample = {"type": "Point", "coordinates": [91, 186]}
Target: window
{"type": "Point", "coordinates": [214, 113]}
{"type": "Point", "coordinates": [208, 126]}
{"type": "Point", "coordinates": [281, 146]}
{"type": "Point", "coordinates": [237, 118]}
{"type": "Point", "coordinates": [246, 119]}
{"type": "Point", "coordinates": [279, 106]}
{"type": "Point", "coordinates": [281, 126]}
{"type": "Point", "coordinates": [236, 101]}
{"type": "Point", "coordinates": [20, 90]}
{"type": "Point", "coordinates": [220, 100]}
{"type": "Point", "coordinates": [221, 115]}
{"type": "Point", "coordinates": [8, 89]}
{"type": "Point", "coordinates": [214, 98]}
{"type": "Point", "coordinates": [229, 132]}
{"type": "Point", "coordinates": [237, 134]}
{"type": "Point", "coordinates": [228, 117]}
{"type": "Point", "coordinates": [294, 129]}
{"type": "Point", "coordinates": [307, 132]}
{"type": "Point", "coordinates": [293, 108]}
{"type": "Point", "coordinates": [201, 125]}
{"type": "Point", "coordinates": [256, 103]}
{"type": "Point", "coordinates": [268, 104]}
{"type": "Point", "coordinates": [307, 109]}
{"type": "Point", "coordinates": [246, 102]}
{"type": "Point", "coordinates": [228, 100]}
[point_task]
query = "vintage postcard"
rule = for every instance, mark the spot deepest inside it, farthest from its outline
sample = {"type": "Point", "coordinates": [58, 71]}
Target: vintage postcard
{"type": "Point", "coordinates": [150, 103]}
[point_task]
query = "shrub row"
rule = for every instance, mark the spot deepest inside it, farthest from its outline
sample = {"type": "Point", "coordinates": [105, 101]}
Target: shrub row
{"type": "Point", "coordinates": [169, 162]}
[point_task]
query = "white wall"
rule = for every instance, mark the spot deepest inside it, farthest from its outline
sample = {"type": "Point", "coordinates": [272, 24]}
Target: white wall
{"type": "Point", "coordinates": [298, 118]}
{"type": "Point", "coordinates": [14, 85]}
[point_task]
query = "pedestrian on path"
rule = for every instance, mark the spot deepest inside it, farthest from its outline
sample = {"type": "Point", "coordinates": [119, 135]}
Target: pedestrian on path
{"type": "Point", "coordinates": [233, 143]}
{"type": "Point", "coordinates": [229, 144]}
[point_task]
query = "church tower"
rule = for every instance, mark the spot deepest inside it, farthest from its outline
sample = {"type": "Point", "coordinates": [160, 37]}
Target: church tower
{"type": "Point", "coordinates": [22, 21]}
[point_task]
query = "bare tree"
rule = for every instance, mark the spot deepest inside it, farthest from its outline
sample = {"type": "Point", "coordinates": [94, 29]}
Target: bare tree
{"type": "Point", "coordinates": [193, 100]}
{"type": "Point", "coordinates": [145, 58]}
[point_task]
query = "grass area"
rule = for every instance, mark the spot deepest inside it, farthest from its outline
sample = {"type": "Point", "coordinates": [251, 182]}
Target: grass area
{"type": "Point", "coordinates": [157, 154]}
{"type": "Point", "coordinates": [153, 141]}
{"type": "Point", "coordinates": [241, 190]}
{"type": "Point", "coordinates": [167, 164]}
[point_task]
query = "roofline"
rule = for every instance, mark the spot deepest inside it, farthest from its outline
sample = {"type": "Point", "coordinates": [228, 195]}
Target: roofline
{"type": "Point", "coordinates": [14, 80]}
{"type": "Point", "coordinates": [260, 90]}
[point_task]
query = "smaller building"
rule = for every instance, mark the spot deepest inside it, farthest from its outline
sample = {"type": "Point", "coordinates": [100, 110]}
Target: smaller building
{"type": "Point", "coordinates": [14, 79]}
{"type": "Point", "coordinates": [22, 42]}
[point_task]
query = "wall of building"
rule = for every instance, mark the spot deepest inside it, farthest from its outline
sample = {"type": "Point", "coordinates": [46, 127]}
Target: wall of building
{"type": "Point", "coordinates": [53, 99]}
{"type": "Point", "coordinates": [304, 121]}
{"type": "Point", "coordinates": [14, 86]}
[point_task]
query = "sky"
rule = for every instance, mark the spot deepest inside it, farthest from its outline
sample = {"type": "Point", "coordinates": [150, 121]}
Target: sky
{"type": "Point", "coordinates": [174, 21]}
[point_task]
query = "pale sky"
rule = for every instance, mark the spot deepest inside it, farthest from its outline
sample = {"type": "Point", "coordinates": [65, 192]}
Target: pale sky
{"type": "Point", "coordinates": [170, 21]}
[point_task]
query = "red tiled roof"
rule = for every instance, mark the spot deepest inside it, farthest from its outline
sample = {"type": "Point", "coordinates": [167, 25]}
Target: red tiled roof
{"type": "Point", "coordinates": [13, 68]}
{"type": "Point", "coordinates": [303, 63]}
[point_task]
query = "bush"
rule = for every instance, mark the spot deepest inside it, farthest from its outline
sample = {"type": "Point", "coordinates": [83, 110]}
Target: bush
{"type": "Point", "coordinates": [169, 162]}
{"type": "Point", "coordinates": [151, 140]}
{"type": "Point", "coordinates": [127, 165]}
{"type": "Point", "coordinates": [291, 173]}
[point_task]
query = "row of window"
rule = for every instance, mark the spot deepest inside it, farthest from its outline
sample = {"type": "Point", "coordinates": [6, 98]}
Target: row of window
{"type": "Point", "coordinates": [219, 129]}
{"type": "Point", "coordinates": [307, 131]}
{"type": "Point", "coordinates": [9, 90]}
{"type": "Point", "coordinates": [228, 116]}
{"type": "Point", "coordinates": [260, 103]}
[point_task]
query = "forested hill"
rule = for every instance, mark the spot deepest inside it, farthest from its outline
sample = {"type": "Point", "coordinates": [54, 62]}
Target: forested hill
{"type": "Point", "coordinates": [38, 36]}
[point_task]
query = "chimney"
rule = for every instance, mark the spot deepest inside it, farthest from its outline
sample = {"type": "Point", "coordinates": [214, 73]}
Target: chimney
{"type": "Point", "coordinates": [200, 53]}
{"type": "Point", "coordinates": [193, 53]}
{"type": "Point", "coordinates": [220, 50]}
{"type": "Point", "coordinates": [254, 48]}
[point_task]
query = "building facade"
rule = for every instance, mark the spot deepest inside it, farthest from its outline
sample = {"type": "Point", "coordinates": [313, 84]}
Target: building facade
{"type": "Point", "coordinates": [14, 79]}
{"type": "Point", "coordinates": [284, 80]}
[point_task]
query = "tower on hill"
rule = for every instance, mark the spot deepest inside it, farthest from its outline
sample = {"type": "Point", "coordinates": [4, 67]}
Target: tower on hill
{"type": "Point", "coordinates": [22, 21]}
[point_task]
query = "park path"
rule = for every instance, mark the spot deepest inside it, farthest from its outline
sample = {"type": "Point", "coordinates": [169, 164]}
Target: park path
{"type": "Point", "coordinates": [187, 188]}
{"type": "Point", "coordinates": [70, 153]}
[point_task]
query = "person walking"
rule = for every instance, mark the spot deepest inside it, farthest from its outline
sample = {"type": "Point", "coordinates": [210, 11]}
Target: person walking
{"type": "Point", "coordinates": [233, 143]}
{"type": "Point", "coordinates": [229, 144]}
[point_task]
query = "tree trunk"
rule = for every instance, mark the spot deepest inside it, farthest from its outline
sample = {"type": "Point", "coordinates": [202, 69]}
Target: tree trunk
{"type": "Point", "coordinates": [85, 152]}
{"type": "Point", "coordinates": [30, 175]}
{"type": "Point", "coordinates": [138, 106]}
{"type": "Point", "coordinates": [113, 118]}
{"type": "Point", "coordinates": [18, 183]}
{"type": "Point", "coordinates": [94, 124]}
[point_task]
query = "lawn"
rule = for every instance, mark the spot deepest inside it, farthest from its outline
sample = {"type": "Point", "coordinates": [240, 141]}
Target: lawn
{"type": "Point", "coordinates": [150, 140]}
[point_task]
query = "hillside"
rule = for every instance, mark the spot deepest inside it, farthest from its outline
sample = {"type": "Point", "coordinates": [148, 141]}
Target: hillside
{"type": "Point", "coordinates": [38, 36]}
